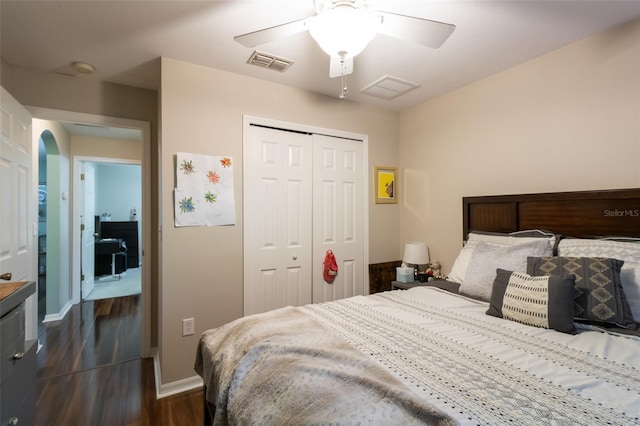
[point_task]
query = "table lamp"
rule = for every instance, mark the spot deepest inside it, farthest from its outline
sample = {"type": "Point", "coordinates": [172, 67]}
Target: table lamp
{"type": "Point", "coordinates": [415, 253]}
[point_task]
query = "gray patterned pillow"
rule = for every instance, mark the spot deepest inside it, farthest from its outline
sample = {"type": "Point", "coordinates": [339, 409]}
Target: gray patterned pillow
{"type": "Point", "coordinates": [545, 302]}
{"type": "Point", "coordinates": [627, 249]}
{"type": "Point", "coordinates": [599, 294]}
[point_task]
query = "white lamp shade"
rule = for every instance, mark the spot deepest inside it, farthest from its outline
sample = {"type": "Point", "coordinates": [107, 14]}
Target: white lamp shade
{"type": "Point", "coordinates": [415, 253]}
{"type": "Point", "coordinates": [343, 30]}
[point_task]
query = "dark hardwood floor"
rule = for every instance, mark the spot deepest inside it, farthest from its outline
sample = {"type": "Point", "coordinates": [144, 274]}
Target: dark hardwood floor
{"type": "Point", "coordinates": [90, 371]}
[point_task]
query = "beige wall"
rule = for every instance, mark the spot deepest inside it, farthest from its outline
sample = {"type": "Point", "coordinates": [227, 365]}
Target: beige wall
{"type": "Point", "coordinates": [80, 94]}
{"type": "Point", "coordinates": [201, 112]}
{"type": "Point", "coordinates": [90, 146]}
{"type": "Point", "coordinates": [569, 120]}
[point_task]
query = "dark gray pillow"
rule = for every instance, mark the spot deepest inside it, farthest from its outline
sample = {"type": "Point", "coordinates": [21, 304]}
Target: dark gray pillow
{"type": "Point", "coordinates": [545, 302]}
{"type": "Point", "coordinates": [600, 298]}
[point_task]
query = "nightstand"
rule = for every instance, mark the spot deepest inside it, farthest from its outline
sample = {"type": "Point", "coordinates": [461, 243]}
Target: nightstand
{"type": "Point", "coordinates": [438, 283]}
{"type": "Point", "coordinates": [397, 285]}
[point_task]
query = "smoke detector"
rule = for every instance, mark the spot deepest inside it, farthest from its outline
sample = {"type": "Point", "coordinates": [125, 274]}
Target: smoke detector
{"type": "Point", "coordinates": [83, 67]}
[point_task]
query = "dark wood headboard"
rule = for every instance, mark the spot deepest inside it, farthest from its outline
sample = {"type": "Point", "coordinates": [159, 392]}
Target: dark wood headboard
{"type": "Point", "coordinates": [577, 214]}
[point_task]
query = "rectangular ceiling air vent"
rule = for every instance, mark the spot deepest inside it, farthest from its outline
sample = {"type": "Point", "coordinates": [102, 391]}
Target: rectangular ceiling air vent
{"type": "Point", "coordinates": [267, 60]}
{"type": "Point", "coordinates": [389, 87]}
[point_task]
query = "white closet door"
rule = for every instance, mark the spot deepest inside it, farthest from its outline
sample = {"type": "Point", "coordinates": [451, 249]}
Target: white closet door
{"type": "Point", "coordinates": [338, 212]}
{"type": "Point", "coordinates": [277, 219]}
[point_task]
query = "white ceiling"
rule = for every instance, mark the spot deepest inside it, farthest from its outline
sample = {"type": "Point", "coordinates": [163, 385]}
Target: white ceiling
{"type": "Point", "coordinates": [123, 40]}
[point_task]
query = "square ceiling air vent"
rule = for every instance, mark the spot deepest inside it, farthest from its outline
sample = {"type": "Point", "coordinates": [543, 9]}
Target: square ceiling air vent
{"type": "Point", "coordinates": [389, 87]}
{"type": "Point", "coordinates": [267, 60]}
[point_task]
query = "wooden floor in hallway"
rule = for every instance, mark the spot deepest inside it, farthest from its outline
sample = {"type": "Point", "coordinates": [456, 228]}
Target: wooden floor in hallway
{"type": "Point", "coordinates": [90, 371]}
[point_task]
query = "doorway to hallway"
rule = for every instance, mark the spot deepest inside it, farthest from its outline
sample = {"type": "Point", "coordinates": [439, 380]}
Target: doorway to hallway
{"type": "Point", "coordinates": [94, 123]}
{"type": "Point", "coordinates": [110, 248]}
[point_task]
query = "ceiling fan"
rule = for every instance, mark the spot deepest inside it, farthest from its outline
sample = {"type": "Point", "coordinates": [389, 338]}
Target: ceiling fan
{"type": "Point", "coordinates": [343, 28]}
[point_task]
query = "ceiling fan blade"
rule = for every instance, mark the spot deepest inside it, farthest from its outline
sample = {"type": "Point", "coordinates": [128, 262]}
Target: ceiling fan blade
{"type": "Point", "coordinates": [421, 31]}
{"type": "Point", "coordinates": [256, 38]}
{"type": "Point", "coordinates": [338, 69]}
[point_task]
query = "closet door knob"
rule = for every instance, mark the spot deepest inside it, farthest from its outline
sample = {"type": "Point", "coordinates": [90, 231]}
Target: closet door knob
{"type": "Point", "coordinates": [295, 257]}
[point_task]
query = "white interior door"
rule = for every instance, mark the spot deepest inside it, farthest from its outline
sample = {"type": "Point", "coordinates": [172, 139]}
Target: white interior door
{"type": "Point", "coordinates": [16, 241]}
{"type": "Point", "coordinates": [277, 219]}
{"type": "Point", "coordinates": [18, 227]}
{"type": "Point", "coordinates": [338, 212]}
{"type": "Point", "coordinates": [87, 228]}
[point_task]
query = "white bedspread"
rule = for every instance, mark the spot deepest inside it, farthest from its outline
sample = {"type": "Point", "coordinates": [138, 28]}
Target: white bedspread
{"type": "Point", "coordinates": [486, 370]}
{"type": "Point", "coordinates": [451, 357]}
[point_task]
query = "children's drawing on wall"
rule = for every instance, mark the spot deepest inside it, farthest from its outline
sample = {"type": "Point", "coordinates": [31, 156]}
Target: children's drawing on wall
{"type": "Point", "coordinates": [204, 192]}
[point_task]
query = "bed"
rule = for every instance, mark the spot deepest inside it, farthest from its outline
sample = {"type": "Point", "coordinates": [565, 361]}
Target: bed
{"type": "Point", "coordinates": [536, 324]}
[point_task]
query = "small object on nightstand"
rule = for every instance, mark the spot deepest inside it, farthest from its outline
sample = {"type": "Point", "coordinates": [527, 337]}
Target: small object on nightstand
{"type": "Point", "coordinates": [404, 274]}
{"type": "Point", "coordinates": [436, 269]}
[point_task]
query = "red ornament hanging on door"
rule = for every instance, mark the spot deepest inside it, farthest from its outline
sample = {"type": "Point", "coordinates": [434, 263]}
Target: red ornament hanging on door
{"type": "Point", "coordinates": [330, 267]}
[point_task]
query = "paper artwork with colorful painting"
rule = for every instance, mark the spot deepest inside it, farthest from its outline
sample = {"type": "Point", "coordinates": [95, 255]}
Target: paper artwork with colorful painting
{"type": "Point", "coordinates": [204, 192]}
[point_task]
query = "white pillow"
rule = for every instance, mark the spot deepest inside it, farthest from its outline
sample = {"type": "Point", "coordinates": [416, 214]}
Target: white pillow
{"type": "Point", "coordinates": [629, 252]}
{"type": "Point", "coordinates": [461, 263]}
{"type": "Point", "coordinates": [487, 258]}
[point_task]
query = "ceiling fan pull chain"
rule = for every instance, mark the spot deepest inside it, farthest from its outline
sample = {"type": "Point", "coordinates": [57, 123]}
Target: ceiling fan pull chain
{"type": "Point", "coordinates": [343, 77]}
{"type": "Point", "coordinates": [343, 93]}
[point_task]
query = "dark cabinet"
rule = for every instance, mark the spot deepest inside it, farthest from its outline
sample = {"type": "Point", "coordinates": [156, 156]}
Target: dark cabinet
{"type": "Point", "coordinates": [18, 364]}
{"type": "Point", "coordinates": [128, 232]}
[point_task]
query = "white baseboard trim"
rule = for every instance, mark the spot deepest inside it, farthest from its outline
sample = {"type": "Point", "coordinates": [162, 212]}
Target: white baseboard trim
{"type": "Point", "coordinates": [164, 390]}
{"type": "Point", "coordinates": [59, 315]}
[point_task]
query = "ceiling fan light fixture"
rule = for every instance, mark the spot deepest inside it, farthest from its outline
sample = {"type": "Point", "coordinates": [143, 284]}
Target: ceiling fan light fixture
{"type": "Point", "coordinates": [344, 30]}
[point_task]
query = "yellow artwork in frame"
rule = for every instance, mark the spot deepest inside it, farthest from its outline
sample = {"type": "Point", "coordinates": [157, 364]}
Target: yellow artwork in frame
{"type": "Point", "coordinates": [386, 185]}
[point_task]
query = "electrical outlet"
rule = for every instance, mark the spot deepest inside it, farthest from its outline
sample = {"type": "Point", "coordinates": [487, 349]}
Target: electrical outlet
{"type": "Point", "coordinates": [188, 326]}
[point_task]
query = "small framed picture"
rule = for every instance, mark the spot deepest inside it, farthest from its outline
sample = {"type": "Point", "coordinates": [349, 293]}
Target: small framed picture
{"type": "Point", "coordinates": [386, 185]}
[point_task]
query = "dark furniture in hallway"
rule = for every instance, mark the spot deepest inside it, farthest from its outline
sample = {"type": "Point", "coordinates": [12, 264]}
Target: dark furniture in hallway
{"type": "Point", "coordinates": [110, 257]}
{"type": "Point", "coordinates": [127, 231]}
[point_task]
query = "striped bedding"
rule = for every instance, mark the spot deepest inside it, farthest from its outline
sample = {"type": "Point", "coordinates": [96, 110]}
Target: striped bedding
{"type": "Point", "coordinates": [450, 357]}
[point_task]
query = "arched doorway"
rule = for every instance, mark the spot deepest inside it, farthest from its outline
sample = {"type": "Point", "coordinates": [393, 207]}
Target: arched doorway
{"type": "Point", "coordinates": [49, 216]}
